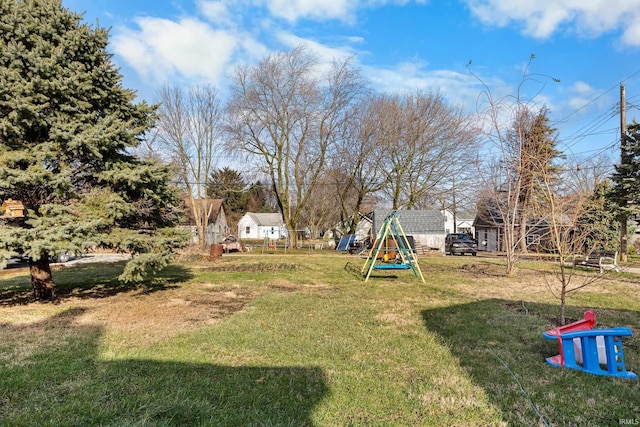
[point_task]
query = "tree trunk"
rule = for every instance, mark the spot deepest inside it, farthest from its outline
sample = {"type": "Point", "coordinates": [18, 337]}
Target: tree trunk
{"type": "Point", "coordinates": [523, 234]}
{"type": "Point", "coordinates": [623, 237]}
{"type": "Point", "coordinates": [41, 279]}
{"type": "Point", "coordinates": [563, 305]}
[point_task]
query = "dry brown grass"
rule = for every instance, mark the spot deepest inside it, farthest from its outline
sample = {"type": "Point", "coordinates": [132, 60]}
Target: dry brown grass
{"type": "Point", "coordinates": [129, 319]}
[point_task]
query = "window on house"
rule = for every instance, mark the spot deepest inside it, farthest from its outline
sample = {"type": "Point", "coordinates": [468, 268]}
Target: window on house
{"type": "Point", "coordinates": [533, 239]}
{"type": "Point", "coordinates": [247, 230]}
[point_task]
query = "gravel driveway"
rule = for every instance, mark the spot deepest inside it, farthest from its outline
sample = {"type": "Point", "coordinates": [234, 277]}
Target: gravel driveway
{"type": "Point", "coordinates": [99, 257]}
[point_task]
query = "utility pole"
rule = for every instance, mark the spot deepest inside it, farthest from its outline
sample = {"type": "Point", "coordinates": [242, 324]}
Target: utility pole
{"type": "Point", "coordinates": [624, 159]}
{"type": "Point", "coordinates": [455, 208]}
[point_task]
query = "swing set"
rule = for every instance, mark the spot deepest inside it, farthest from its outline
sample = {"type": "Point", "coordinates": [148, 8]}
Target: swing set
{"type": "Point", "coordinates": [391, 250]}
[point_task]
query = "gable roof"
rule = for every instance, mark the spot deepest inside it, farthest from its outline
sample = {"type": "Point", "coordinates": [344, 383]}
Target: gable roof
{"type": "Point", "coordinates": [466, 215]}
{"type": "Point", "coordinates": [215, 206]}
{"type": "Point", "coordinates": [266, 219]}
{"type": "Point", "coordinates": [491, 217]}
{"type": "Point", "coordinates": [413, 221]}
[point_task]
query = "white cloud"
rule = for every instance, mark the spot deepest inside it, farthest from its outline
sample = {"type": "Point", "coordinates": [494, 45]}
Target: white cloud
{"type": "Point", "coordinates": [541, 19]}
{"type": "Point", "coordinates": [205, 47]}
{"type": "Point", "coordinates": [215, 11]}
{"type": "Point", "coordinates": [582, 95]}
{"type": "Point", "coordinates": [631, 34]}
{"type": "Point", "coordinates": [320, 10]}
{"type": "Point", "coordinates": [292, 10]}
{"type": "Point", "coordinates": [460, 89]}
{"type": "Point", "coordinates": [325, 53]}
{"type": "Point", "coordinates": [161, 48]}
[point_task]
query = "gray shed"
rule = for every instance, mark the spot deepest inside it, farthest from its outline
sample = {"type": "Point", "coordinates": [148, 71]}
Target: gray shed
{"type": "Point", "coordinates": [426, 226]}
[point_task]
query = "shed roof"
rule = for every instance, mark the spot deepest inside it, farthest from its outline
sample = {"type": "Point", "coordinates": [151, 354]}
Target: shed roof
{"type": "Point", "coordinates": [413, 221]}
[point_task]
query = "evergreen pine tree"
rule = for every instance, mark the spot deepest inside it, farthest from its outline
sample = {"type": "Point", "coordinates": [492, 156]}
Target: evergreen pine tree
{"type": "Point", "coordinates": [228, 184]}
{"type": "Point", "coordinates": [626, 178]}
{"type": "Point", "coordinates": [67, 128]}
{"type": "Point", "coordinates": [626, 183]}
{"type": "Point", "coordinates": [599, 221]}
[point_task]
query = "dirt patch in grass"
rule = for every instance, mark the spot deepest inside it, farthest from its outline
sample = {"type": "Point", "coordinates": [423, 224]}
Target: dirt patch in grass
{"type": "Point", "coordinates": [127, 319]}
{"type": "Point", "coordinates": [484, 269]}
{"type": "Point", "coordinates": [284, 286]}
{"type": "Point", "coordinates": [160, 315]}
{"type": "Point", "coordinates": [140, 318]}
{"type": "Point", "coordinates": [130, 316]}
{"type": "Point", "coordinates": [254, 267]}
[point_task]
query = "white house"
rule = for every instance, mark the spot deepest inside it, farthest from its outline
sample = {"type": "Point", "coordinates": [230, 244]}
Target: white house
{"type": "Point", "coordinates": [464, 222]}
{"type": "Point", "coordinates": [261, 225]}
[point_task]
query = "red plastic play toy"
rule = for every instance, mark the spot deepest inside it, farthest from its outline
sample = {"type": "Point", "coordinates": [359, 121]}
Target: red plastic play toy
{"type": "Point", "coordinates": [588, 322]}
{"type": "Point", "coordinates": [595, 351]}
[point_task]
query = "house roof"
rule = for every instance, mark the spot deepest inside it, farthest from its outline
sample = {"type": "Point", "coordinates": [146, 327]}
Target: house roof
{"type": "Point", "coordinates": [492, 218]}
{"type": "Point", "coordinates": [488, 215]}
{"type": "Point", "coordinates": [212, 205]}
{"type": "Point", "coordinates": [466, 215]}
{"type": "Point", "coordinates": [266, 219]}
{"type": "Point", "coordinates": [413, 221]}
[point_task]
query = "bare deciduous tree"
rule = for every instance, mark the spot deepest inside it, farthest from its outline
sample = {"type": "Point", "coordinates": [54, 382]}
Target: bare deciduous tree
{"type": "Point", "coordinates": [564, 207]}
{"type": "Point", "coordinates": [509, 131]}
{"type": "Point", "coordinates": [189, 127]}
{"type": "Point", "coordinates": [424, 143]}
{"type": "Point", "coordinates": [320, 212]}
{"type": "Point", "coordinates": [586, 174]}
{"type": "Point", "coordinates": [286, 114]}
{"type": "Point", "coordinates": [356, 166]}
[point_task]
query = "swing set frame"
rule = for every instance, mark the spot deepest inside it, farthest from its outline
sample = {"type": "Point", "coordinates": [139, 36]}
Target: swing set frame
{"type": "Point", "coordinates": [382, 257]}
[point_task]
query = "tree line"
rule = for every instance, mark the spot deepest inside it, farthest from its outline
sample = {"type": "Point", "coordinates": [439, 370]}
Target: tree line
{"type": "Point", "coordinates": [326, 144]}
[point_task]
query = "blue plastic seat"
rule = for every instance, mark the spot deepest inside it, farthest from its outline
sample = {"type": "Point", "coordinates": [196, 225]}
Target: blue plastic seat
{"type": "Point", "coordinates": [592, 359]}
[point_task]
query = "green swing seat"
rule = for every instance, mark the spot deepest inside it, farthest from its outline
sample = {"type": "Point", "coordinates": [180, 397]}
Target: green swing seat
{"type": "Point", "coordinates": [391, 267]}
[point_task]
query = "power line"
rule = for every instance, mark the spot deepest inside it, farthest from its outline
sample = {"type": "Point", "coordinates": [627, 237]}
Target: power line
{"type": "Point", "coordinates": [598, 97]}
{"type": "Point", "coordinates": [591, 128]}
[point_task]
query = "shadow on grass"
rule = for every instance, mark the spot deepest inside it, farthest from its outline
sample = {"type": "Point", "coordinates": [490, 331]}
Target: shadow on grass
{"type": "Point", "coordinates": [61, 381]}
{"type": "Point", "coordinates": [499, 344]}
{"type": "Point", "coordinates": [89, 281]}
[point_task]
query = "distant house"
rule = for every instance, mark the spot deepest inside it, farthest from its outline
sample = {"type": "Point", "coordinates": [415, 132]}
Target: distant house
{"type": "Point", "coordinates": [261, 225]}
{"type": "Point", "coordinates": [217, 225]}
{"type": "Point", "coordinates": [426, 226]}
{"type": "Point", "coordinates": [490, 229]}
{"type": "Point", "coordinates": [489, 232]}
{"type": "Point", "coordinates": [463, 222]}
{"type": "Point", "coordinates": [362, 231]}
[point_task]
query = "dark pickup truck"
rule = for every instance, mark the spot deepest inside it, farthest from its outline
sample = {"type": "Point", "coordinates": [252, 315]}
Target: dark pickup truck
{"type": "Point", "coordinates": [460, 244]}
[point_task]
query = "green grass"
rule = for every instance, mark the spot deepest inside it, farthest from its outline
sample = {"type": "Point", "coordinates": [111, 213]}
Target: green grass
{"type": "Point", "coordinates": [299, 339]}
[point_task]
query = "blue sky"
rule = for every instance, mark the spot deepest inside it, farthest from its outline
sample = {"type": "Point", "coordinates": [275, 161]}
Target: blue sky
{"type": "Point", "coordinates": [591, 46]}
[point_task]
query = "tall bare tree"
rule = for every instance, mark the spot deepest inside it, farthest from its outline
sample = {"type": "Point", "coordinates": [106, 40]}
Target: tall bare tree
{"type": "Point", "coordinates": [586, 174]}
{"type": "Point", "coordinates": [285, 113]}
{"type": "Point", "coordinates": [425, 143]}
{"type": "Point", "coordinates": [320, 212]}
{"type": "Point", "coordinates": [190, 128]}
{"type": "Point", "coordinates": [509, 135]}
{"type": "Point", "coordinates": [356, 166]}
{"type": "Point", "coordinates": [576, 222]}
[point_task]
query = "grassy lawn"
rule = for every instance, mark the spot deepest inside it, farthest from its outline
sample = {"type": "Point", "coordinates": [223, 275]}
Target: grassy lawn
{"type": "Point", "coordinates": [300, 339]}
